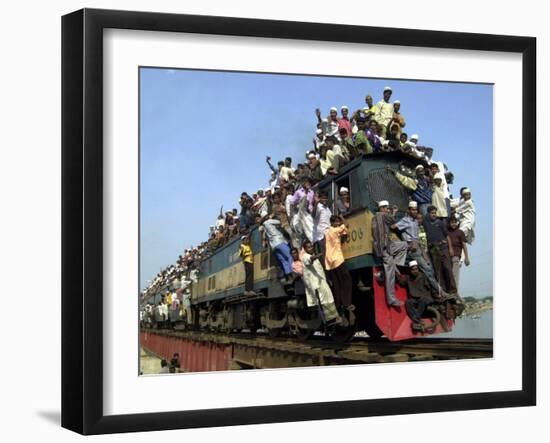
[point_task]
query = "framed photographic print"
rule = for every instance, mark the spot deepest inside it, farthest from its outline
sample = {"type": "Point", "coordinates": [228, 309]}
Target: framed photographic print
{"type": "Point", "coordinates": [275, 221]}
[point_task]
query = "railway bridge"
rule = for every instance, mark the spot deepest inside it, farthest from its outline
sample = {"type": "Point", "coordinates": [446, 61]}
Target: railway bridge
{"type": "Point", "coordinates": [201, 351]}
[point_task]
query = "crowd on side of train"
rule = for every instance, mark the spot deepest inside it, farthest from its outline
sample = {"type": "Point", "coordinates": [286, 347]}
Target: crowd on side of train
{"type": "Point", "coordinates": [306, 236]}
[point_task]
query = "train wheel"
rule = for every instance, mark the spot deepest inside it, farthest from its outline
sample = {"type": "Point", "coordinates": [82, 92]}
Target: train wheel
{"type": "Point", "coordinates": [304, 334]}
{"type": "Point", "coordinates": [274, 332]}
{"type": "Point", "coordinates": [373, 331]}
{"type": "Point", "coordinates": [343, 334]}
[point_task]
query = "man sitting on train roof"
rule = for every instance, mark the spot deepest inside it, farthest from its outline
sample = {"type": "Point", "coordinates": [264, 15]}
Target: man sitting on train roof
{"type": "Point", "coordinates": [347, 145]}
{"type": "Point", "coordinates": [383, 111]}
{"type": "Point", "coordinates": [361, 141]}
{"type": "Point", "coordinates": [344, 122]}
{"type": "Point", "coordinates": [373, 136]}
{"type": "Point", "coordinates": [331, 124]}
{"type": "Point", "coordinates": [397, 122]}
{"type": "Point", "coordinates": [392, 253]}
{"type": "Point", "coordinates": [420, 293]}
{"type": "Point", "coordinates": [369, 110]}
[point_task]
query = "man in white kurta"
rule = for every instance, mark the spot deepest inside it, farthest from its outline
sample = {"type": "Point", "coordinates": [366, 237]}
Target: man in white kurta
{"type": "Point", "coordinates": [315, 282]}
{"type": "Point", "coordinates": [465, 213]}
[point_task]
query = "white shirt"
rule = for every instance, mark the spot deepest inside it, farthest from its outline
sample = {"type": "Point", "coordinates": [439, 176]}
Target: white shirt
{"type": "Point", "coordinates": [286, 173]}
{"type": "Point", "coordinates": [383, 112]}
{"type": "Point", "coordinates": [330, 128]}
{"type": "Point", "coordinates": [444, 184]}
{"type": "Point", "coordinates": [321, 222]}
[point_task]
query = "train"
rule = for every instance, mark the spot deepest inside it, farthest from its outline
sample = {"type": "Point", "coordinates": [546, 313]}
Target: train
{"type": "Point", "coordinates": [217, 301]}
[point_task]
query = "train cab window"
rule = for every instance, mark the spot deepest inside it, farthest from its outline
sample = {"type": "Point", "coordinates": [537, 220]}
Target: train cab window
{"type": "Point", "coordinates": [351, 183]}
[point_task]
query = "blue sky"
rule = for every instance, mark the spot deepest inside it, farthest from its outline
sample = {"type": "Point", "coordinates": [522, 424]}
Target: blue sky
{"type": "Point", "coordinates": [204, 137]}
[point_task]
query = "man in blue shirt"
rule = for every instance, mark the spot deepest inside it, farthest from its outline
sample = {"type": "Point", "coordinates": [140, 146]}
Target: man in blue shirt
{"type": "Point", "coordinates": [408, 228]}
{"type": "Point", "coordinates": [423, 193]}
{"type": "Point", "coordinates": [279, 245]}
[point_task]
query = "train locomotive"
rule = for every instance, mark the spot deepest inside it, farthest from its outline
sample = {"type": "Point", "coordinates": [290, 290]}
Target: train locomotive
{"type": "Point", "coordinates": [217, 301]}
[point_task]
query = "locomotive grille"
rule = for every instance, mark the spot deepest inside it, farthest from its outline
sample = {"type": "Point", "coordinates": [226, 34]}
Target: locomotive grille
{"type": "Point", "coordinates": [382, 185]}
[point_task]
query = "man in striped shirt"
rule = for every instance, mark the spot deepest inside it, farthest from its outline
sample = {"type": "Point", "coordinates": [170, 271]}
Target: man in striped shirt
{"type": "Point", "coordinates": [393, 253]}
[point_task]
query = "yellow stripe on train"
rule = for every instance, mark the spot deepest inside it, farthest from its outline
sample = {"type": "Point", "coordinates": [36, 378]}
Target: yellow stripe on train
{"type": "Point", "coordinates": [359, 242]}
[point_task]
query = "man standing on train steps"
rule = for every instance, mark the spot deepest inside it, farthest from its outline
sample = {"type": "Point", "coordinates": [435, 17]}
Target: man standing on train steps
{"type": "Point", "coordinates": [393, 253]}
{"type": "Point", "coordinates": [409, 230]}
{"type": "Point", "coordinates": [438, 247]}
{"type": "Point", "coordinates": [279, 245]}
{"type": "Point", "coordinates": [321, 223]}
{"type": "Point", "coordinates": [247, 255]}
{"type": "Point", "coordinates": [335, 263]}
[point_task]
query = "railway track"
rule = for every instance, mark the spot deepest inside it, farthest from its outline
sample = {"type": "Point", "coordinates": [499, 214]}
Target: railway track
{"type": "Point", "coordinates": [261, 351]}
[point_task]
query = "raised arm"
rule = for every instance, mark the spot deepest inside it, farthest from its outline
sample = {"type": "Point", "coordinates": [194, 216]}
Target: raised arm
{"type": "Point", "coordinates": [268, 161]}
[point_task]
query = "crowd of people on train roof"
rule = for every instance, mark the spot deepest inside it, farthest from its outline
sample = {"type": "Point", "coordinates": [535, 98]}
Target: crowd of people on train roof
{"type": "Point", "coordinates": [296, 221]}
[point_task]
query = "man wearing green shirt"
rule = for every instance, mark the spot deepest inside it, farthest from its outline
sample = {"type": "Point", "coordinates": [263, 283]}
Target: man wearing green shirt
{"type": "Point", "coordinates": [360, 141]}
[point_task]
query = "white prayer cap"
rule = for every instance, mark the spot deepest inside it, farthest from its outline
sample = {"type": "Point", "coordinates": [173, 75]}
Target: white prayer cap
{"type": "Point", "coordinates": [387, 88]}
{"type": "Point", "coordinates": [413, 263]}
{"type": "Point", "coordinates": [413, 204]}
{"type": "Point", "coordinates": [439, 176]}
{"type": "Point", "coordinates": [311, 155]}
{"type": "Point", "coordinates": [419, 167]}
{"type": "Point", "coordinates": [466, 191]}
{"type": "Point", "coordinates": [333, 109]}
{"type": "Point", "coordinates": [243, 237]}
{"type": "Point", "coordinates": [414, 137]}
{"type": "Point", "coordinates": [345, 107]}
{"type": "Point", "coordinates": [396, 102]}
{"type": "Point", "coordinates": [343, 189]}
{"type": "Point", "coordinates": [319, 131]}
{"type": "Point", "coordinates": [383, 203]}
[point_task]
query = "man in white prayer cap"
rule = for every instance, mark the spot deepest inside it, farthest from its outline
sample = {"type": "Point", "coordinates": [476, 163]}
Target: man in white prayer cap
{"type": "Point", "coordinates": [344, 121]}
{"type": "Point", "coordinates": [410, 232]}
{"type": "Point", "coordinates": [330, 124]}
{"type": "Point", "coordinates": [438, 196]}
{"type": "Point", "coordinates": [420, 294]}
{"type": "Point", "coordinates": [393, 253]}
{"type": "Point", "coordinates": [383, 112]}
{"type": "Point", "coordinates": [342, 204]}
{"type": "Point", "coordinates": [465, 212]}
{"type": "Point", "coordinates": [397, 120]}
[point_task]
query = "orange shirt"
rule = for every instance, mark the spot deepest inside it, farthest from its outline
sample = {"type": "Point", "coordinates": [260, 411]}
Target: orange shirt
{"type": "Point", "coordinates": [334, 256]}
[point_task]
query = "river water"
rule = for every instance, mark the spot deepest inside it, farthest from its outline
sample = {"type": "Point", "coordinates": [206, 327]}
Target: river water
{"type": "Point", "coordinates": [467, 327]}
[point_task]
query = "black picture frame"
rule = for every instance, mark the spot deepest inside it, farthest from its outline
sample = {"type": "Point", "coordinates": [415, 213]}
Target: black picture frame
{"type": "Point", "coordinates": [82, 218]}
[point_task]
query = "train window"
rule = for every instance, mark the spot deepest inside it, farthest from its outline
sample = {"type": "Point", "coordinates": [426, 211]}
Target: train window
{"type": "Point", "coordinates": [263, 261]}
{"type": "Point", "coordinates": [214, 282]}
{"type": "Point", "coordinates": [355, 190]}
{"type": "Point", "coordinates": [351, 182]}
